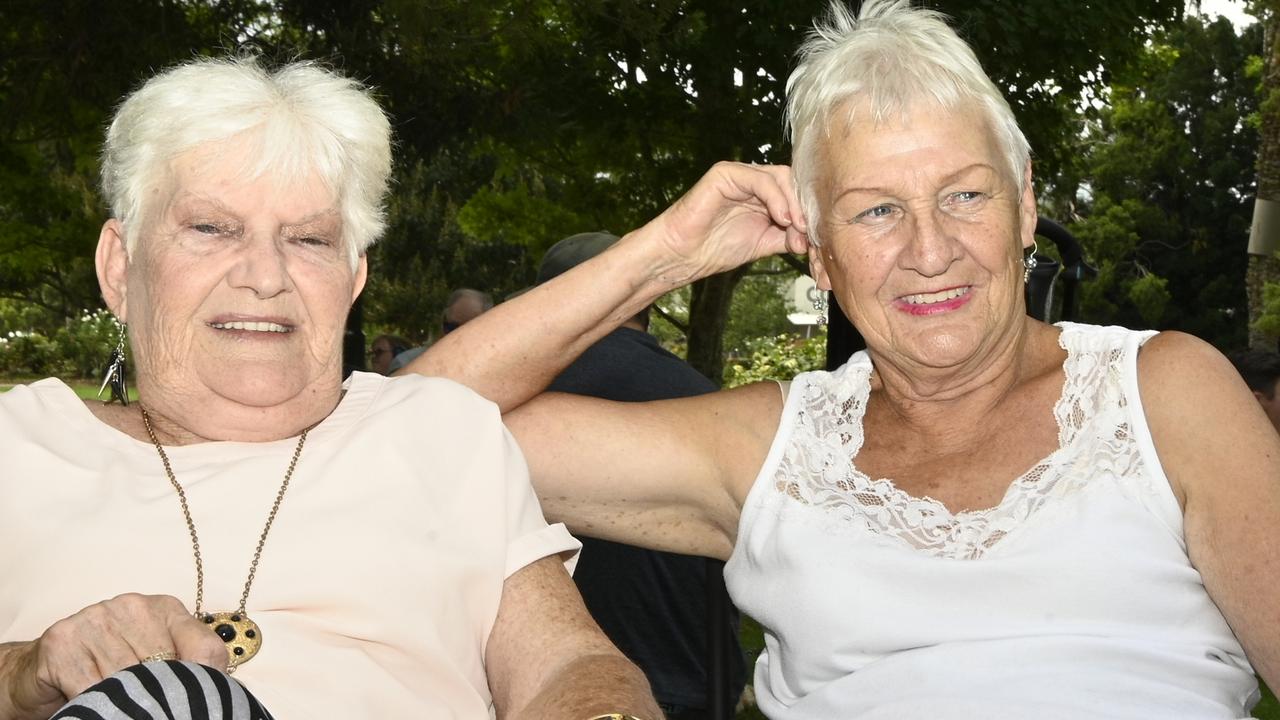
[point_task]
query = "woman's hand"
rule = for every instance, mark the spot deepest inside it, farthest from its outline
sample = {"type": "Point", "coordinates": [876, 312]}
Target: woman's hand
{"type": "Point", "coordinates": [38, 677]}
{"type": "Point", "coordinates": [735, 214]}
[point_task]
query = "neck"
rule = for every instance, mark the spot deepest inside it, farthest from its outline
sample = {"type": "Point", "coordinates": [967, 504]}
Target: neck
{"type": "Point", "coordinates": [932, 399]}
{"type": "Point", "coordinates": [179, 420]}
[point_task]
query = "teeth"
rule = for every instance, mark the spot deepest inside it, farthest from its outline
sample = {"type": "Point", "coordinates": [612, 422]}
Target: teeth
{"type": "Point", "coordinates": [931, 298]}
{"type": "Point", "coordinates": [252, 326]}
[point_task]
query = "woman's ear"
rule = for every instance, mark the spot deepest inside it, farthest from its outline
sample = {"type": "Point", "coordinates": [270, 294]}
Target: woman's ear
{"type": "Point", "coordinates": [112, 263]}
{"type": "Point", "coordinates": [817, 270]}
{"type": "Point", "coordinates": [1027, 209]}
{"type": "Point", "coordinates": [362, 274]}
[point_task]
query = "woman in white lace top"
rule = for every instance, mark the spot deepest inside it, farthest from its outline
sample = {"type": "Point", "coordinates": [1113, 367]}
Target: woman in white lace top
{"type": "Point", "coordinates": [981, 516]}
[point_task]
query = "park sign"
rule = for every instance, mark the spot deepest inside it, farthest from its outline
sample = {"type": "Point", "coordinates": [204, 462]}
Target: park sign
{"type": "Point", "coordinates": [802, 301]}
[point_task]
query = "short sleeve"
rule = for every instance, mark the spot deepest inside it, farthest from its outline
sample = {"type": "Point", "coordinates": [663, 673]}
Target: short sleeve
{"type": "Point", "coordinates": [530, 537]}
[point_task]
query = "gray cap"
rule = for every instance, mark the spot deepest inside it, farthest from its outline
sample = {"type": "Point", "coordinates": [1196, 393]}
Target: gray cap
{"type": "Point", "coordinates": [571, 251]}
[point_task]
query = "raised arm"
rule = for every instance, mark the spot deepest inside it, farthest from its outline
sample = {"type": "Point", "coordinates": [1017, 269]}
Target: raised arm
{"type": "Point", "coordinates": [1222, 457]}
{"type": "Point", "coordinates": [547, 659]}
{"type": "Point", "coordinates": [735, 214]}
{"type": "Point", "coordinates": [669, 475]}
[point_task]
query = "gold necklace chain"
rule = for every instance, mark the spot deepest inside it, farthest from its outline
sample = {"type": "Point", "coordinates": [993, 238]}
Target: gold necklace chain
{"type": "Point", "coordinates": [242, 636]}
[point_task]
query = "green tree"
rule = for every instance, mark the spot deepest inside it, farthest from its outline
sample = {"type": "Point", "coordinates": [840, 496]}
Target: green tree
{"type": "Point", "coordinates": [1170, 178]}
{"type": "Point", "coordinates": [63, 67]}
{"type": "Point", "coordinates": [1264, 270]}
{"type": "Point", "coordinates": [628, 103]}
{"type": "Point", "coordinates": [513, 117]}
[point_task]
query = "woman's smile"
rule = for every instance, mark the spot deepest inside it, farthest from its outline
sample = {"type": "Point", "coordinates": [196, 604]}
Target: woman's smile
{"type": "Point", "coordinates": [932, 303]}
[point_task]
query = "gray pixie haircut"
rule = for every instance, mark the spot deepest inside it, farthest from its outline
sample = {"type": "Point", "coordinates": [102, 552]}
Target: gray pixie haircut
{"type": "Point", "coordinates": [298, 119]}
{"type": "Point", "coordinates": [892, 55]}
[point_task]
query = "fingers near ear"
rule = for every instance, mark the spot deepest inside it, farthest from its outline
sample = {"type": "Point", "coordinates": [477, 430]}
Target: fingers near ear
{"type": "Point", "coordinates": [786, 183]}
{"type": "Point", "coordinates": [112, 263]}
{"type": "Point", "coordinates": [797, 241]}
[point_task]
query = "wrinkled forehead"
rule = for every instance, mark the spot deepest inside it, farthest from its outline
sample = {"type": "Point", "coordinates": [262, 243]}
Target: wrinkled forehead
{"type": "Point", "coordinates": [230, 175]}
{"type": "Point", "coordinates": [919, 138]}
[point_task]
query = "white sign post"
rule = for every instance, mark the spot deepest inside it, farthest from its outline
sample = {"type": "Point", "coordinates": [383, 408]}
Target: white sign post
{"type": "Point", "coordinates": [804, 291]}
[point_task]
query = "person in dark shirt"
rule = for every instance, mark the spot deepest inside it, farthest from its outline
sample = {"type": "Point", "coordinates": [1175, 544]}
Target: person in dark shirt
{"type": "Point", "coordinates": [653, 605]}
{"type": "Point", "coordinates": [1261, 372]}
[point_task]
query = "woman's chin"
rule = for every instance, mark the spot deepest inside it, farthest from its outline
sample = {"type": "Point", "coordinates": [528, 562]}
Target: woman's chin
{"type": "Point", "coordinates": [937, 347]}
{"type": "Point", "coordinates": [263, 388]}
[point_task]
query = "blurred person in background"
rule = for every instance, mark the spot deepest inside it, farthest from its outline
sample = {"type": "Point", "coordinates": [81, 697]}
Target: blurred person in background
{"type": "Point", "coordinates": [1261, 372]}
{"type": "Point", "coordinates": [383, 350]}
{"type": "Point", "coordinates": [655, 606]}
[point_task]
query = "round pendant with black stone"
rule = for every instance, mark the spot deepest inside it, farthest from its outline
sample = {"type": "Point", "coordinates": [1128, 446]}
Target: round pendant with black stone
{"type": "Point", "coordinates": [242, 636]}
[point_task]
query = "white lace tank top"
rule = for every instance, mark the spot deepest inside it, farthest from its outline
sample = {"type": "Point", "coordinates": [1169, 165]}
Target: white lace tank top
{"type": "Point", "coordinates": [1072, 598]}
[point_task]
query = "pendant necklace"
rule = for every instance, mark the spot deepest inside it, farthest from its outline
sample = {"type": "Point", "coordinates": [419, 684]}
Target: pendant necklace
{"type": "Point", "coordinates": [242, 635]}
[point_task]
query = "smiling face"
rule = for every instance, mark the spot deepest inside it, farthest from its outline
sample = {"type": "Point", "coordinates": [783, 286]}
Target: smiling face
{"type": "Point", "coordinates": [236, 297]}
{"type": "Point", "coordinates": [922, 229]}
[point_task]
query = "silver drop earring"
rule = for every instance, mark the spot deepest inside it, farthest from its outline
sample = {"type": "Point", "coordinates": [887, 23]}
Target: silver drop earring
{"type": "Point", "coordinates": [116, 370]}
{"type": "Point", "coordinates": [1029, 262]}
{"type": "Point", "coordinates": [820, 306]}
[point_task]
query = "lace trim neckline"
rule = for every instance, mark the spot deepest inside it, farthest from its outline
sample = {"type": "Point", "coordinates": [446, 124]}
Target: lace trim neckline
{"type": "Point", "coordinates": [818, 468]}
{"type": "Point", "coordinates": [890, 489]}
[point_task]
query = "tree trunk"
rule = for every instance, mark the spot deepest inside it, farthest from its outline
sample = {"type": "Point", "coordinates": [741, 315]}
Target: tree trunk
{"type": "Point", "coordinates": [708, 315]}
{"type": "Point", "coordinates": [1265, 269]}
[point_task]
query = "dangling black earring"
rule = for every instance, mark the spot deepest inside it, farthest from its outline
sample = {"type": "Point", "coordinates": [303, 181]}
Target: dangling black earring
{"type": "Point", "coordinates": [116, 371]}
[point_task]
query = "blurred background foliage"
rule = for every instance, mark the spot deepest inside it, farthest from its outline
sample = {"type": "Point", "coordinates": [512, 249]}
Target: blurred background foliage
{"type": "Point", "coordinates": [519, 122]}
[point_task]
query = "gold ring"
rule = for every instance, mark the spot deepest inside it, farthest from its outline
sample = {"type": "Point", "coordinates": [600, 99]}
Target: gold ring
{"type": "Point", "coordinates": [162, 655]}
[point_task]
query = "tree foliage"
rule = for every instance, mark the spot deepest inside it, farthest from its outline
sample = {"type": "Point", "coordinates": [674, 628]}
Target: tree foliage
{"type": "Point", "coordinates": [777, 357]}
{"type": "Point", "coordinates": [517, 121]}
{"type": "Point", "coordinates": [1170, 168]}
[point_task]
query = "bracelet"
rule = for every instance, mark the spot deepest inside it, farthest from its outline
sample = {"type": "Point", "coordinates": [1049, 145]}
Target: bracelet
{"type": "Point", "coordinates": [614, 716]}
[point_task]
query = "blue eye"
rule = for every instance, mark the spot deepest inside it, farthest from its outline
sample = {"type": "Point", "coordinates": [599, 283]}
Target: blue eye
{"type": "Point", "coordinates": [966, 196]}
{"type": "Point", "coordinates": [877, 213]}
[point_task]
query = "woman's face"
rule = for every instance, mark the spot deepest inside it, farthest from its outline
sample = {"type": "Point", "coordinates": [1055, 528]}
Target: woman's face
{"type": "Point", "coordinates": [922, 229]}
{"type": "Point", "coordinates": [381, 355]}
{"type": "Point", "coordinates": [236, 295]}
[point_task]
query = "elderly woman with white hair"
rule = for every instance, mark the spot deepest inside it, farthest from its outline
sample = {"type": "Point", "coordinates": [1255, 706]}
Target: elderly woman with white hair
{"type": "Point", "coordinates": [367, 549]}
{"type": "Point", "coordinates": [981, 515]}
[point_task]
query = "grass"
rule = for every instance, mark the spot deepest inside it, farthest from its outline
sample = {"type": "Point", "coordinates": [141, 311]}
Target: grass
{"type": "Point", "coordinates": [84, 389]}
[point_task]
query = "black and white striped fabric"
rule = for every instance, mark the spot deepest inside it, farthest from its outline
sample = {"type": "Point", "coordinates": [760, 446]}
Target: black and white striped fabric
{"type": "Point", "coordinates": [169, 690]}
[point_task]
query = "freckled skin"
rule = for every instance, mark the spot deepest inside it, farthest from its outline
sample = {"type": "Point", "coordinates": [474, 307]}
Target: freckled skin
{"type": "Point", "coordinates": [922, 206]}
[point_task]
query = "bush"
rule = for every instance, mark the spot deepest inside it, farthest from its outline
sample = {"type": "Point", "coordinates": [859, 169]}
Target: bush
{"type": "Point", "coordinates": [25, 354]}
{"type": "Point", "coordinates": [778, 357]}
{"type": "Point", "coordinates": [80, 348]}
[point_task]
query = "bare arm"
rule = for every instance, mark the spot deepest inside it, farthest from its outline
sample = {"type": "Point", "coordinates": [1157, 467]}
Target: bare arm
{"type": "Point", "coordinates": [1222, 457]}
{"type": "Point", "coordinates": [547, 659]}
{"type": "Point", "coordinates": [735, 214]}
{"type": "Point", "coordinates": [670, 475]}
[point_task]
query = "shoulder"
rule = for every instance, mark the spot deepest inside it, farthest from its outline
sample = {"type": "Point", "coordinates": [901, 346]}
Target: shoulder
{"type": "Point", "coordinates": [26, 402]}
{"type": "Point", "coordinates": [415, 399]}
{"type": "Point", "coordinates": [1173, 366]}
{"type": "Point", "coordinates": [48, 414]}
{"type": "Point", "coordinates": [1197, 408]}
{"type": "Point", "coordinates": [755, 408]}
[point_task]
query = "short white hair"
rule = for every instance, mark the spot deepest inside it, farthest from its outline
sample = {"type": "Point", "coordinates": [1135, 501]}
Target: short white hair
{"type": "Point", "coordinates": [892, 55]}
{"type": "Point", "coordinates": [298, 120]}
